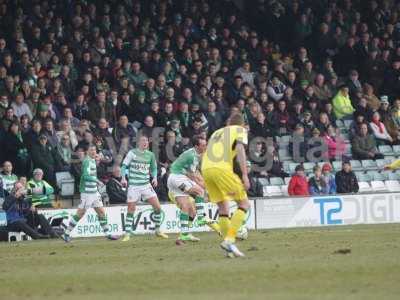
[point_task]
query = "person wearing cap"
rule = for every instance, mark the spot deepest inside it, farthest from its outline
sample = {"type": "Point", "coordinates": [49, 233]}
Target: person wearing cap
{"type": "Point", "coordinates": [39, 190]}
{"type": "Point", "coordinates": [298, 184]}
{"type": "Point", "coordinates": [342, 104]}
{"type": "Point", "coordinates": [329, 178]}
{"type": "Point", "coordinates": [346, 180]}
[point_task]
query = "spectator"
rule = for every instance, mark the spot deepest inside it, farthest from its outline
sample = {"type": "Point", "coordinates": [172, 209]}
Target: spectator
{"type": "Point", "coordinates": [298, 185]}
{"type": "Point", "coordinates": [20, 107]}
{"type": "Point", "coordinates": [7, 177]}
{"type": "Point", "coordinates": [15, 150]}
{"type": "Point", "coordinates": [65, 153]}
{"type": "Point", "coordinates": [22, 217]}
{"type": "Point", "coordinates": [382, 137]}
{"type": "Point", "coordinates": [329, 178]}
{"type": "Point", "coordinates": [346, 180]}
{"type": "Point", "coordinates": [115, 190]}
{"type": "Point", "coordinates": [45, 157]}
{"type": "Point", "coordinates": [66, 130]}
{"type": "Point", "coordinates": [276, 89]}
{"type": "Point", "coordinates": [317, 183]}
{"type": "Point", "coordinates": [123, 130]}
{"type": "Point", "coordinates": [342, 104]}
{"type": "Point", "coordinates": [364, 145]}
{"type": "Point", "coordinates": [334, 142]}
{"type": "Point", "coordinates": [39, 190]}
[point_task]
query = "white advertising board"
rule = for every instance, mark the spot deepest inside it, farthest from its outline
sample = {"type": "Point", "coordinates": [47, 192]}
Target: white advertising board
{"type": "Point", "coordinates": [331, 210]}
{"type": "Point", "coordinates": [143, 223]}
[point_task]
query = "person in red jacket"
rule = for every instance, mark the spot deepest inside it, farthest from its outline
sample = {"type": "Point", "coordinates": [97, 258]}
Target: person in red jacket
{"type": "Point", "coordinates": [298, 185]}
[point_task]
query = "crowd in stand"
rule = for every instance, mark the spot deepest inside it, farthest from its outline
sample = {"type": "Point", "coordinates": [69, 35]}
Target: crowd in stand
{"type": "Point", "coordinates": [74, 73]}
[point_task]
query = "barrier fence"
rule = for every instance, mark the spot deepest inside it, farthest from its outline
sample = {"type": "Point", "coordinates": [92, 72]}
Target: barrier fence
{"type": "Point", "coordinates": [263, 214]}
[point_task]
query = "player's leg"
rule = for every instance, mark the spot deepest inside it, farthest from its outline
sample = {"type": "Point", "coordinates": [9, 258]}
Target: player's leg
{"type": "Point", "coordinates": [102, 216]}
{"type": "Point", "coordinates": [187, 213]}
{"type": "Point", "coordinates": [132, 198]}
{"type": "Point", "coordinates": [73, 221]}
{"type": "Point", "coordinates": [238, 218]}
{"type": "Point", "coordinates": [153, 201]}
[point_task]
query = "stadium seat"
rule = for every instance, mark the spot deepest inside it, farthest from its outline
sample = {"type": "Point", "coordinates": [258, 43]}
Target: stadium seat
{"type": "Point", "coordinates": [287, 180]}
{"type": "Point", "coordinates": [364, 187]}
{"type": "Point", "coordinates": [66, 183]}
{"type": "Point", "coordinates": [375, 175]}
{"type": "Point", "coordinates": [381, 163]}
{"type": "Point", "coordinates": [345, 137]}
{"type": "Point", "coordinates": [386, 150]}
{"type": "Point", "coordinates": [284, 189]}
{"type": "Point", "coordinates": [378, 186]}
{"type": "Point", "coordinates": [284, 154]}
{"type": "Point", "coordinates": [337, 165]}
{"type": "Point", "coordinates": [285, 139]}
{"type": "Point", "coordinates": [308, 167]}
{"type": "Point", "coordinates": [356, 165]}
{"type": "Point", "coordinates": [392, 185]}
{"type": "Point", "coordinates": [369, 164]}
{"type": "Point", "coordinates": [347, 123]}
{"type": "Point", "coordinates": [393, 176]}
{"type": "Point", "coordinates": [396, 150]}
{"type": "Point", "coordinates": [286, 166]}
{"type": "Point", "coordinates": [263, 181]}
{"type": "Point", "coordinates": [361, 176]}
{"type": "Point", "coordinates": [339, 124]}
{"type": "Point", "coordinates": [276, 181]}
{"type": "Point", "coordinates": [272, 191]}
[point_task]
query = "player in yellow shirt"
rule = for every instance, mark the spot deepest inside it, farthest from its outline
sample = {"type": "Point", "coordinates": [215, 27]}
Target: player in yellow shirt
{"type": "Point", "coordinates": [226, 146]}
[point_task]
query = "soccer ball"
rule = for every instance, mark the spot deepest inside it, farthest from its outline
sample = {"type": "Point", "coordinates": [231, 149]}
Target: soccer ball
{"type": "Point", "coordinates": [242, 233]}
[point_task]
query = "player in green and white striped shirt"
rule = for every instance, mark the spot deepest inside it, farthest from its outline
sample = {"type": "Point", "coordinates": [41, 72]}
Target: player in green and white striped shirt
{"type": "Point", "coordinates": [185, 182]}
{"type": "Point", "coordinates": [90, 196]}
{"type": "Point", "coordinates": [7, 176]}
{"type": "Point", "coordinates": [141, 168]}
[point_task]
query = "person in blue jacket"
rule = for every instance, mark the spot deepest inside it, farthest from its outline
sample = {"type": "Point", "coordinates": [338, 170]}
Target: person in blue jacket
{"type": "Point", "coordinates": [329, 178]}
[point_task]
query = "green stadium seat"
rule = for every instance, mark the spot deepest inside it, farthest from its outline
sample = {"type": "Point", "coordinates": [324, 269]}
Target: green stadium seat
{"type": "Point", "coordinates": [386, 150]}
{"type": "Point", "coordinates": [276, 181]}
{"type": "Point", "coordinates": [369, 164]}
{"type": "Point", "coordinates": [356, 165]}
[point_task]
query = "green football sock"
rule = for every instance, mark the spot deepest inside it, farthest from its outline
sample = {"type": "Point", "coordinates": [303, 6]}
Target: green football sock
{"type": "Point", "coordinates": [184, 220]}
{"type": "Point", "coordinates": [200, 207]}
{"type": "Point", "coordinates": [129, 222]}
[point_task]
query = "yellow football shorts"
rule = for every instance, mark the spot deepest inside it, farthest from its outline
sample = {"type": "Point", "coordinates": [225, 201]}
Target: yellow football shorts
{"type": "Point", "coordinates": [223, 185]}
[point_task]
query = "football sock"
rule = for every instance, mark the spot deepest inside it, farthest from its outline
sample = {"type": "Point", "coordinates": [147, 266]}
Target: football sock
{"type": "Point", "coordinates": [184, 220]}
{"type": "Point", "coordinates": [191, 219]}
{"type": "Point", "coordinates": [104, 224]}
{"type": "Point", "coordinates": [224, 223]}
{"type": "Point", "coordinates": [72, 223]}
{"type": "Point", "coordinates": [157, 219]}
{"type": "Point", "coordinates": [199, 200]}
{"type": "Point", "coordinates": [236, 221]}
{"type": "Point", "coordinates": [129, 222]}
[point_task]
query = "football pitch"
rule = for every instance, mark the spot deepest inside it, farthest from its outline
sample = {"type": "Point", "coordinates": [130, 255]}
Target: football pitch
{"type": "Point", "coordinates": [357, 262]}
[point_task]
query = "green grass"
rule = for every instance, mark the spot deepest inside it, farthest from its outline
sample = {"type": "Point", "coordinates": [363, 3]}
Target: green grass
{"type": "Point", "coordinates": [280, 264]}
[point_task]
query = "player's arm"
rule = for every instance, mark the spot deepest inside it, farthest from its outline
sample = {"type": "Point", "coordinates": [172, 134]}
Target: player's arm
{"type": "Point", "coordinates": [394, 165]}
{"type": "Point", "coordinates": [124, 168]}
{"type": "Point", "coordinates": [242, 161]}
{"type": "Point", "coordinates": [153, 170]}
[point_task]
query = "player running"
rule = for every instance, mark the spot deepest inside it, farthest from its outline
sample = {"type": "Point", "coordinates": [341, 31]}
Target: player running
{"type": "Point", "coordinates": [185, 182]}
{"type": "Point", "coordinates": [90, 196]}
{"type": "Point", "coordinates": [141, 167]}
{"type": "Point", "coordinates": [225, 146]}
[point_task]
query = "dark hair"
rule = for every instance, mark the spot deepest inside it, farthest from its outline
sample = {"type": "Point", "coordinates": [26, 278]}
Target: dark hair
{"type": "Point", "coordinates": [196, 140]}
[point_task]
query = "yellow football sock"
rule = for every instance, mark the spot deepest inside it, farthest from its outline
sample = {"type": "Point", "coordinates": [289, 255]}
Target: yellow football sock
{"type": "Point", "coordinates": [236, 221]}
{"type": "Point", "coordinates": [224, 224]}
